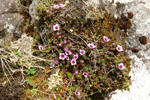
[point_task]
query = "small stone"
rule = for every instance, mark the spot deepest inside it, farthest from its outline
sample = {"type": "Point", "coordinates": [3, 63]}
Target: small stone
{"type": "Point", "coordinates": [135, 50]}
{"type": "Point", "coordinates": [140, 55]}
{"type": "Point", "coordinates": [130, 15]}
{"type": "Point", "coordinates": [143, 40]}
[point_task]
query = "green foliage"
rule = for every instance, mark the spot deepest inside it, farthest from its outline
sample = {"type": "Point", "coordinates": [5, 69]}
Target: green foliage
{"type": "Point", "coordinates": [31, 71]}
{"type": "Point", "coordinates": [28, 79]}
{"type": "Point", "coordinates": [41, 10]}
{"type": "Point", "coordinates": [58, 98]}
{"type": "Point", "coordinates": [116, 61]}
{"type": "Point", "coordinates": [33, 91]}
{"type": "Point", "coordinates": [69, 74]}
{"type": "Point", "coordinates": [101, 78]}
{"type": "Point", "coordinates": [17, 53]}
{"type": "Point", "coordinates": [100, 63]}
{"type": "Point", "coordinates": [37, 37]}
{"type": "Point", "coordinates": [86, 69]}
{"type": "Point", "coordinates": [57, 89]}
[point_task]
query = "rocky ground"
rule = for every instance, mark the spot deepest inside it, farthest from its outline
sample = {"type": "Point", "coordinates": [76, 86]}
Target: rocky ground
{"type": "Point", "coordinates": [9, 17]}
{"type": "Point", "coordinates": [140, 73]}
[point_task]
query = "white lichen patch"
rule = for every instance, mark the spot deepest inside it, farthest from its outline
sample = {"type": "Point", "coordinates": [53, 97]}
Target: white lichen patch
{"type": "Point", "coordinates": [54, 79]}
{"type": "Point", "coordinates": [9, 27]}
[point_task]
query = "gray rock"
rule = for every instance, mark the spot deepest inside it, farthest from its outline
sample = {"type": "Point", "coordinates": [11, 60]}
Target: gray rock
{"type": "Point", "coordinates": [9, 14]}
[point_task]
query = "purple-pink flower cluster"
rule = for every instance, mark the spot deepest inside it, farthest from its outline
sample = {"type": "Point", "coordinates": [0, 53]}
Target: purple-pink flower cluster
{"type": "Point", "coordinates": [59, 6]}
{"type": "Point", "coordinates": [67, 53]}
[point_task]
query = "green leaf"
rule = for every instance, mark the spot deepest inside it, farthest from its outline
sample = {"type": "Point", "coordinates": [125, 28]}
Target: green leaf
{"type": "Point", "coordinates": [68, 89]}
{"type": "Point", "coordinates": [33, 91]}
{"type": "Point", "coordinates": [69, 74]}
{"type": "Point", "coordinates": [88, 88]}
{"type": "Point", "coordinates": [85, 37]}
{"type": "Point", "coordinates": [31, 71]}
{"type": "Point", "coordinates": [74, 18]}
{"type": "Point", "coordinates": [83, 55]}
{"type": "Point", "coordinates": [58, 98]}
{"type": "Point", "coordinates": [46, 51]}
{"type": "Point", "coordinates": [92, 93]}
{"type": "Point", "coordinates": [52, 21]}
{"type": "Point", "coordinates": [107, 57]}
{"type": "Point", "coordinates": [101, 50]}
{"type": "Point", "coordinates": [17, 53]}
{"type": "Point", "coordinates": [73, 88]}
{"type": "Point", "coordinates": [37, 37]}
{"type": "Point", "coordinates": [59, 51]}
{"type": "Point", "coordinates": [60, 86]}
{"type": "Point", "coordinates": [23, 61]}
{"type": "Point", "coordinates": [103, 60]}
{"type": "Point", "coordinates": [69, 79]}
{"type": "Point", "coordinates": [28, 79]}
{"type": "Point", "coordinates": [18, 6]}
{"type": "Point", "coordinates": [61, 65]}
{"type": "Point", "coordinates": [116, 61]}
{"type": "Point", "coordinates": [47, 57]}
{"type": "Point", "coordinates": [101, 77]}
{"type": "Point", "coordinates": [99, 61]}
{"type": "Point", "coordinates": [57, 89]}
{"type": "Point", "coordinates": [88, 58]}
{"type": "Point", "coordinates": [78, 76]}
{"type": "Point", "coordinates": [103, 63]}
{"type": "Point", "coordinates": [86, 69]}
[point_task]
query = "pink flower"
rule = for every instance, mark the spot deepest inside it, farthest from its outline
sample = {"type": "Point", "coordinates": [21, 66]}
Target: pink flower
{"type": "Point", "coordinates": [57, 33]}
{"type": "Point", "coordinates": [82, 52]}
{"type": "Point", "coordinates": [59, 37]}
{"type": "Point", "coordinates": [56, 27]}
{"type": "Point", "coordinates": [59, 45]}
{"type": "Point", "coordinates": [62, 5]}
{"type": "Point", "coordinates": [91, 45]}
{"type": "Point", "coordinates": [67, 57]}
{"type": "Point", "coordinates": [67, 52]}
{"type": "Point", "coordinates": [65, 41]}
{"type": "Point", "coordinates": [121, 66]}
{"type": "Point", "coordinates": [40, 47]}
{"type": "Point", "coordinates": [75, 57]}
{"type": "Point", "coordinates": [105, 39]}
{"type": "Point", "coordinates": [76, 72]}
{"type": "Point", "coordinates": [56, 62]}
{"type": "Point", "coordinates": [66, 49]}
{"type": "Point", "coordinates": [77, 93]}
{"type": "Point", "coordinates": [62, 56]}
{"type": "Point", "coordinates": [85, 74]}
{"type": "Point", "coordinates": [73, 62]}
{"type": "Point", "coordinates": [119, 48]}
{"type": "Point", "coordinates": [56, 6]}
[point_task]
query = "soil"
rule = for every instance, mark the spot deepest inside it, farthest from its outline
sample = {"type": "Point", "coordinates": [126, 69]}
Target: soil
{"type": "Point", "coordinates": [11, 92]}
